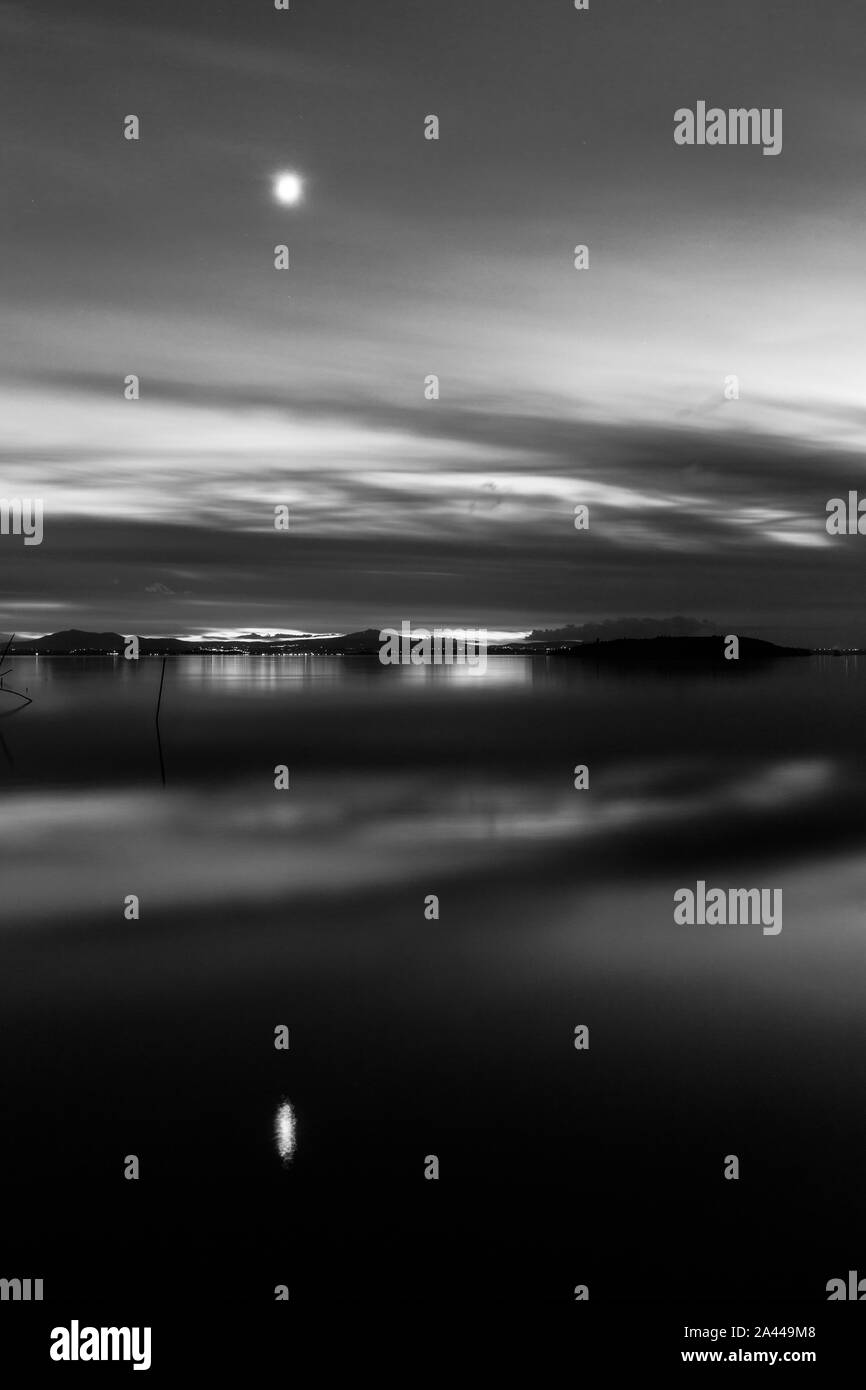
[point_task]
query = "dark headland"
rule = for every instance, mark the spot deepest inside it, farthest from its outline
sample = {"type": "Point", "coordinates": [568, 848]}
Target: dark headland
{"type": "Point", "coordinates": [659, 651]}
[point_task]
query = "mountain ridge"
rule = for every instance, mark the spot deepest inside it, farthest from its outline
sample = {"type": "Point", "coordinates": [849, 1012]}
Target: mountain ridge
{"type": "Point", "coordinates": [697, 647]}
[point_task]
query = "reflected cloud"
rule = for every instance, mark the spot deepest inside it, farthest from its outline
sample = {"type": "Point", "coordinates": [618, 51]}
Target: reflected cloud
{"type": "Point", "coordinates": [208, 845]}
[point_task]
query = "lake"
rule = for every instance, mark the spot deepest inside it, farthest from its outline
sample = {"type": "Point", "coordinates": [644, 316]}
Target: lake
{"type": "Point", "coordinates": [411, 1036]}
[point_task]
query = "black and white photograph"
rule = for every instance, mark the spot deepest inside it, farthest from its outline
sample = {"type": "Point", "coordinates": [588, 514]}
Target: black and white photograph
{"type": "Point", "coordinates": [433, 686]}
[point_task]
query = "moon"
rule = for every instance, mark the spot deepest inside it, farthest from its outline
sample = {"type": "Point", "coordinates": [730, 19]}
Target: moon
{"type": "Point", "coordinates": [288, 189]}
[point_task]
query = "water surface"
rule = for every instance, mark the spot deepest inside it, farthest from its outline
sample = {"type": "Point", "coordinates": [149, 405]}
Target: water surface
{"type": "Point", "coordinates": [411, 1037]}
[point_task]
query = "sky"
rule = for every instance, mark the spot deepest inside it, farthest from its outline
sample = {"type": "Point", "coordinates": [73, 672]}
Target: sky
{"type": "Point", "coordinates": [305, 387]}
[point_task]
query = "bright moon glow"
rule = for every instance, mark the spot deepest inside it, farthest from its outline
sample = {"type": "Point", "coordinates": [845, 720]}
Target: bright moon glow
{"type": "Point", "coordinates": [288, 189]}
{"type": "Point", "coordinates": [284, 1131]}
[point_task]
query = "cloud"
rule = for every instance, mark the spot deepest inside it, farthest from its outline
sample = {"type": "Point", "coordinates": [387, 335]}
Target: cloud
{"type": "Point", "coordinates": [159, 43]}
{"type": "Point", "coordinates": [602, 388]}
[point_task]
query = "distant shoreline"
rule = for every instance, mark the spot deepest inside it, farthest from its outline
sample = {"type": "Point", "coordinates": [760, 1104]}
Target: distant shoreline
{"type": "Point", "coordinates": [664, 650]}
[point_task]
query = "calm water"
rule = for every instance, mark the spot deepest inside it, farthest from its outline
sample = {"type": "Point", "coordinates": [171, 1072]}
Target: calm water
{"type": "Point", "coordinates": [412, 1037]}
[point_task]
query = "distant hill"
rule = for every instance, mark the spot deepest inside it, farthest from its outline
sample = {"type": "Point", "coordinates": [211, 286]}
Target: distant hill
{"type": "Point", "coordinates": [696, 650]}
{"type": "Point", "coordinates": [667, 651]}
{"type": "Point", "coordinates": [76, 642]}
{"type": "Point", "coordinates": [364, 643]}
